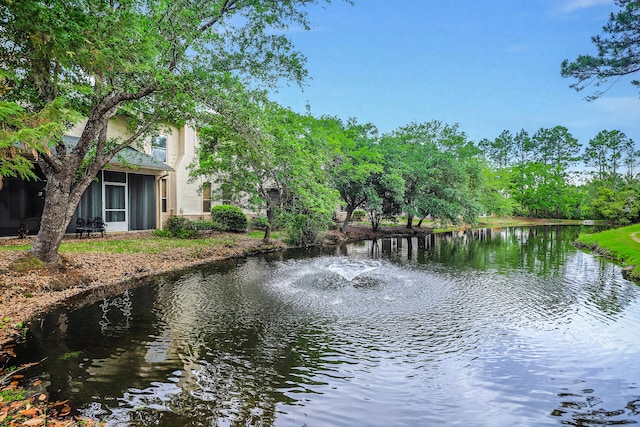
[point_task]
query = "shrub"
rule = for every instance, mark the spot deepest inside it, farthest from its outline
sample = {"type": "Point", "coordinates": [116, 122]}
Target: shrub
{"type": "Point", "coordinates": [259, 222]}
{"type": "Point", "coordinates": [162, 233]}
{"type": "Point", "coordinates": [207, 224]}
{"type": "Point", "coordinates": [186, 234]}
{"type": "Point", "coordinates": [358, 215]}
{"type": "Point", "coordinates": [303, 230]}
{"type": "Point", "coordinates": [177, 226]}
{"type": "Point", "coordinates": [229, 216]}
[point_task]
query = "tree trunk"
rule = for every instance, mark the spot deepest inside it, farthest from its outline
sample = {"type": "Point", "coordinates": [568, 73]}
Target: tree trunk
{"type": "Point", "coordinates": [56, 215]}
{"type": "Point", "coordinates": [409, 221]}
{"type": "Point", "coordinates": [347, 218]}
{"type": "Point", "coordinates": [267, 230]}
{"type": "Point", "coordinates": [420, 222]}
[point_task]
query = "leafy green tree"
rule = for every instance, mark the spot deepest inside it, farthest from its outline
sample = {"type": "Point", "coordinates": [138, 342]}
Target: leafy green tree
{"type": "Point", "coordinates": [273, 159]}
{"type": "Point", "coordinates": [557, 151]}
{"type": "Point", "coordinates": [495, 196]}
{"type": "Point", "coordinates": [500, 150]}
{"type": "Point", "coordinates": [355, 158]}
{"type": "Point", "coordinates": [523, 148]}
{"type": "Point", "coordinates": [557, 148]}
{"type": "Point", "coordinates": [152, 62]}
{"type": "Point", "coordinates": [618, 52]}
{"type": "Point", "coordinates": [24, 136]}
{"type": "Point", "coordinates": [606, 153]}
{"type": "Point", "coordinates": [440, 170]}
{"type": "Point", "coordinates": [385, 196]}
{"type": "Point", "coordinates": [630, 160]}
{"type": "Point", "coordinates": [617, 207]}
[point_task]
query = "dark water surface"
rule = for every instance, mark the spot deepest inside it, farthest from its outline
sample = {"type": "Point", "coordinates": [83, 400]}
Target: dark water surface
{"type": "Point", "coordinates": [510, 327]}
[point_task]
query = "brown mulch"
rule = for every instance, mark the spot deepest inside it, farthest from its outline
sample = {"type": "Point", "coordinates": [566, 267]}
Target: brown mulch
{"type": "Point", "coordinates": [30, 406]}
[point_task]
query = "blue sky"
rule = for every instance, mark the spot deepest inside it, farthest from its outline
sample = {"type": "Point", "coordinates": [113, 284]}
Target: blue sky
{"type": "Point", "coordinates": [487, 65]}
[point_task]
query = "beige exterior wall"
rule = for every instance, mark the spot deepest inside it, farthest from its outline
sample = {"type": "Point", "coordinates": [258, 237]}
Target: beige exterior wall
{"type": "Point", "coordinates": [184, 198]}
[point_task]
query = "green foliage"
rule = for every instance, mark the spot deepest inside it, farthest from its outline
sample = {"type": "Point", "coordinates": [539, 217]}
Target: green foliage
{"type": "Point", "coordinates": [174, 224]}
{"type": "Point", "coordinates": [616, 207]}
{"type": "Point", "coordinates": [26, 133]}
{"type": "Point", "coordinates": [205, 224]}
{"type": "Point", "coordinates": [618, 54]}
{"type": "Point", "coordinates": [303, 229]}
{"type": "Point", "coordinates": [359, 215]}
{"type": "Point", "coordinates": [440, 170]}
{"type": "Point", "coordinates": [162, 233]}
{"type": "Point", "coordinates": [10, 395]}
{"type": "Point", "coordinates": [151, 62]}
{"type": "Point", "coordinates": [353, 159]}
{"type": "Point", "coordinates": [71, 355]}
{"type": "Point", "coordinates": [230, 217]}
{"type": "Point", "coordinates": [177, 226]}
{"type": "Point", "coordinates": [272, 157]}
{"type": "Point", "coordinates": [259, 222]}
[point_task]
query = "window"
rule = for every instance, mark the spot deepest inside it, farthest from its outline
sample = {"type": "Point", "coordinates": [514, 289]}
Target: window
{"type": "Point", "coordinates": [226, 197]}
{"type": "Point", "coordinates": [159, 147]}
{"type": "Point", "coordinates": [206, 197]}
{"type": "Point", "coordinates": [163, 195]}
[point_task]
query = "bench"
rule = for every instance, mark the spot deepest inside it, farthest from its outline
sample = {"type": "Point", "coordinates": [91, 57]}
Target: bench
{"type": "Point", "coordinates": [90, 225]}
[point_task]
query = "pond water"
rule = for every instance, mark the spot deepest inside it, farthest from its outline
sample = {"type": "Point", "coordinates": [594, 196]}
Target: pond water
{"type": "Point", "coordinates": [491, 328]}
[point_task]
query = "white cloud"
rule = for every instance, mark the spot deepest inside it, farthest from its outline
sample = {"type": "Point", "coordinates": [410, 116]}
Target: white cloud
{"type": "Point", "coordinates": [573, 5]}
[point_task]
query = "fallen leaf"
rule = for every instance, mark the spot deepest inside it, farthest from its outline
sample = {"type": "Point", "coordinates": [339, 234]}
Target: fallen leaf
{"type": "Point", "coordinates": [60, 403]}
{"type": "Point", "coordinates": [33, 422]}
{"type": "Point", "coordinates": [36, 383]}
{"type": "Point", "coordinates": [28, 412]}
{"type": "Point", "coordinates": [42, 397]}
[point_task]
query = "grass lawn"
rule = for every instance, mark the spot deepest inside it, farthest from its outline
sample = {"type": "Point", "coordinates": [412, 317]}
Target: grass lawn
{"type": "Point", "coordinates": [622, 244]}
{"type": "Point", "coordinates": [258, 234]}
{"type": "Point", "coordinates": [151, 245]}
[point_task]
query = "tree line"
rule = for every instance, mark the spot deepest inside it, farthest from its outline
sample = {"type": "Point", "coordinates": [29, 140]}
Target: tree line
{"type": "Point", "coordinates": [299, 168]}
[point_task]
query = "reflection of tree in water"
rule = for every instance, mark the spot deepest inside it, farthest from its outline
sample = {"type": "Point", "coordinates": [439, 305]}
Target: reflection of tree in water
{"type": "Point", "coordinates": [584, 409]}
{"type": "Point", "coordinates": [541, 250]}
{"type": "Point", "coordinates": [122, 306]}
{"type": "Point", "coordinates": [229, 352]}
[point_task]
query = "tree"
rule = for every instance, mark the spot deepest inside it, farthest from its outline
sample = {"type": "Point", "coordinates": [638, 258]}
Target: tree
{"type": "Point", "coordinates": [439, 168]}
{"type": "Point", "coordinates": [384, 196]}
{"type": "Point", "coordinates": [24, 136]}
{"type": "Point", "coordinates": [556, 151]}
{"type": "Point", "coordinates": [500, 150]}
{"type": "Point", "coordinates": [152, 61]}
{"type": "Point", "coordinates": [355, 159]}
{"type": "Point", "coordinates": [617, 207]}
{"type": "Point", "coordinates": [274, 160]}
{"type": "Point", "coordinates": [606, 152]}
{"type": "Point", "coordinates": [618, 52]}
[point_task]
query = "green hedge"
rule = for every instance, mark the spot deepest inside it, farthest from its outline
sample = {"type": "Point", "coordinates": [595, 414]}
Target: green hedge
{"type": "Point", "coordinates": [177, 226]}
{"type": "Point", "coordinates": [229, 216]}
